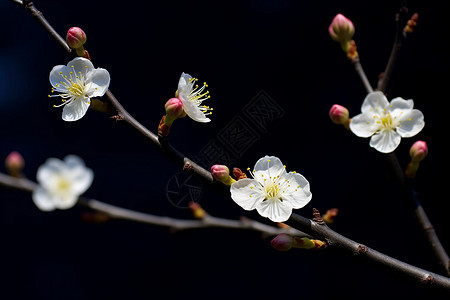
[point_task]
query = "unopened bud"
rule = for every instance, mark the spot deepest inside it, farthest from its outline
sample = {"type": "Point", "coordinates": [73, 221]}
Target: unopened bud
{"type": "Point", "coordinates": [418, 151]}
{"type": "Point", "coordinates": [411, 24]}
{"type": "Point", "coordinates": [222, 173]}
{"type": "Point", "coordinates": [339, 115]}
{"type": "Point", "coordinates": [75, 37]}
{"type": "Point", "coordinates": [14, 164]}
{"type": "Point", "coordinates": [306, 243]}
{"type": "Point", "coordinates": [330, 215]}
{"type": "Point", "coordinates": [282, 242]}
{"type": "Point", "coordinates": [197, 210]}
{"type": "Point", "coordinates": [174, 109]}
{"type": "Point", "coordinates": [341, 30]}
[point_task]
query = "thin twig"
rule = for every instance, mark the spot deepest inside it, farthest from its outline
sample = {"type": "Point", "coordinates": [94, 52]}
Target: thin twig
{"type": "Point", "coordinates": [386, 76]}
{"type": "Point", "coordinates": [360, 71]}
{"type": "Point", "coordinates": [334, 239]}
{"type": "Point", "coordinates": [116, 212]}
{"type": "Point", "coordinates": [419, 212]}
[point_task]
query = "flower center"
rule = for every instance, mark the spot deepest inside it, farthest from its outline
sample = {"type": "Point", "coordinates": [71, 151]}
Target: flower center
{"type": "Point", "coordinates": [198, 96]}
{"type": "Point", "coordinates": [272, 190]}
{"type": "Point", "coordinates": [71, 86]}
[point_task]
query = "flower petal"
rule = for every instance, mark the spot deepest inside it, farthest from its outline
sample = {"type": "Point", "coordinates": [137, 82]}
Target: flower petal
{"type": "Point", "coordinates": [65, 201]}
{"type": "Point", "coordinates": [76, 109]}
{"type": "Point", "coordinates": [247, 193]}
{"type": "Point", "coordinates": [385, 141]}
{"type": "Point", "coordinates": [80, 65]}
{"type": "Point", "coordinates": [374, 102]}
{"type": "Point", "coordinates": [268, 166]}
{"type": "Point", "coordinates": [275, 210]}
{"type": "Point", "coordinates": [56, 77]}
{"type": "Point", "coordinates": [364, 125]}
{"type": "Point", "coordinates": [399, 105]}
{"type": "Point", "coordinates": [194, 112]}
{"type": "Point", "coordinates": [47, 174]}
{"type": "Point", "coordinates": [184, 82]}
{"type": "Point", "coordinates": [42, 199]}
{"type": "Point", "coordinates": [97, 82]}
{"type": "Point", "coordinates": [80, 177]}
{"type": "Point", "coordinates": [411, 123]}
{"type": "Point", "coordinates": [297, 191]}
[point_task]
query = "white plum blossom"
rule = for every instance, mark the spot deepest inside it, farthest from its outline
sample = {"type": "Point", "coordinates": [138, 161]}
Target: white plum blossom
{"type": "Point", "coordinates": [386, 123]}
{"type": "Point", "coordinates": [192, 97]}
{"type": "Point", "coordinates": [272, 191]}
{"type": "Point", "coordinates": [61, 183]}
{"type": "Point", "coordinates": [76, 84]}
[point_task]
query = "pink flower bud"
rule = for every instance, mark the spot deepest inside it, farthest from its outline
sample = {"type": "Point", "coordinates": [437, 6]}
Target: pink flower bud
{"type": "Point", "coordinates": [341, 29]}
{"type": "Point", "coordinates": [418, 151]}
{"type": "Point", "coordinates": [14, 163]}
{"type": "Point", "coordinates": [220, 172]}
{"type": "Point", "coordinates": [282, 242]}
{"type": "Point", "coordinates": [75, 38]}
{"type": "Point", "coordinates": [339, 114]}
{"type": "Point", "coordinates": [174, 109]}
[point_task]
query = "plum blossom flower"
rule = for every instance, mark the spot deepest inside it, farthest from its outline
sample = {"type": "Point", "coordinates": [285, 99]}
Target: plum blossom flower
{"type": "Point", "coordinates": [76, 84]}
{"type": "Point", "coordinates": [272, 191]}
{"type": "Point", "coordinates": [192, 97]}
{"type": "Point", "coordinates": [61, 183]}
{"type": "Point", "coordinates": [386, 123]}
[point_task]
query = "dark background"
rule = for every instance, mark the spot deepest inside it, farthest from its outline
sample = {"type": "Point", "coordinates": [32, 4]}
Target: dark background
{"type": "Point", "coordinates": [240, 48]}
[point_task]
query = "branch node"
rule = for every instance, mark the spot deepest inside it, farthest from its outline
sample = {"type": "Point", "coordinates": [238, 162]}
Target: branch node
{"type": "Point", "coordinates": [317, 217]}
{"type": "Point", "coordinates": [428, 280]}
{"type": "Point", "coordinates": [187, 167]}
{"type": "Point", "coordinates": [362, 249]}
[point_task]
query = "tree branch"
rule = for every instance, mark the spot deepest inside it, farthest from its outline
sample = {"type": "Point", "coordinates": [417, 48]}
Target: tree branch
{"type": "Point", "coordinates": [116, 212]}
{"type": "Point", "coordinates": [334, 239]}
{"type": "Point", "coordinates": [359, 70]}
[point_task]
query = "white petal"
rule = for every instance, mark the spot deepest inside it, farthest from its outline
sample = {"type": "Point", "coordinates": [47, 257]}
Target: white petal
{"type": "Point", "coordinates": [399, 105]}
{"type": "Point", "coordinates": [364, 125]}
{"type": "Point", "coordinates": [385, 141]}
{"type": "Point", "coordinates": [268, 166]}
{"type": "Point", "coordinates": [76, 109]}
{"type": "Point", "coordinates": [275, 210]}
{"type": "Point", "coordinates": [183, 82]}
{"type": "Point", "coordinates": [80, 64]}
{"type": "Point", "coordinates": [97, 82]}
{"type": "Point", "coordinates": [79, 176]}
{"type": "Point", "coordinates": [247, 193]}
{"type": "Point", "coordinates": [194, 112]}
{"type": "Point", "coordinates": [411, 123]}
{"type": "Point", "coordinates": [42, 199]}
{"type": "Point", "coordinates": [56, 76]}
{"type": "Point", "coordinates": [48, 173]}
{"type": "Point", "coordinates": [65, 201]}
{"type": "Point", "coordinates": [297, 191]}
{"type": "Point", "coordinates": [374, 102]}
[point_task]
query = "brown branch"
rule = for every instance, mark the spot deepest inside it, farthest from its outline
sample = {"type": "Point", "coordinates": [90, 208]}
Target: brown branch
{"type": "Point", "coordinates": [386, 75]}
{"type": "Point", "coordinates": [116, 212]}
{"type": "Point", "coordinates": [334, 239]}
{"type": "Point", "coordinates": [362, 75]}
{"type": "Point", "coordinates": [424, 221]}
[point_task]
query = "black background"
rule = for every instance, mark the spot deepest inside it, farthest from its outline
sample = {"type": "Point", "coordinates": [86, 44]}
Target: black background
{"type": "Point", "coordinates": [240, 48]}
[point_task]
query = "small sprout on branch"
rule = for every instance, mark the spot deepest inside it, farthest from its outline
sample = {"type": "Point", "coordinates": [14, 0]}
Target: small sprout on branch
{"type": "Point", "coordinates": [197, 211]}
{"type": "Point", "coordinates": [418, 152]}
{"type": "Point", "coordinates": [411, 24]}
{"type": "Point", "coordinates": [330, 215]}
{"type": "Point", "coordinates": [273, 192]}
{"type": "Point", "coordinates": [61, 183]}
{"type": "Point", "coordinates": [387, 122]}
{"type": "Point", "coordinates": [14, 164]}
{"type": "Point", "coordinates": [285, 242]}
